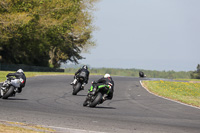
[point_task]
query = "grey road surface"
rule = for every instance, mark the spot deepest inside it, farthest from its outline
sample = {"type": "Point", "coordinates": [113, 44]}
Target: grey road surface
{"type": "Point", "coordinates": [48, 100]}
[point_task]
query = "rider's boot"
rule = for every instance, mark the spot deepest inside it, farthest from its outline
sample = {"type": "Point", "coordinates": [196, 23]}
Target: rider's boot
{"type": "Point", "coordinates": [72, 83]}
{"type": "Point", "coordinates": [1, 91]}
{"type": "Point", "coordinates": [104, 98]}
{"type": "Point", "coordinates": [19, 90]}
{"type": "Point", "coordinates": [83, 85]}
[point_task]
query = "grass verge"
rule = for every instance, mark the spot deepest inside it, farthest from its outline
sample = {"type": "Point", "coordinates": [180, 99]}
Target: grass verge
{"type": "Point", "coordinates": [188, 79]}
{"type": "Point", "coordinates": [16, 127]}
{"type": "Point", "coordinates": [31, 74]}
{"type": "Point", "coordinates": [184, 92]}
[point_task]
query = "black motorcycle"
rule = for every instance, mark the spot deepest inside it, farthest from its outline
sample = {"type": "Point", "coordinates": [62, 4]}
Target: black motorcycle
{"type": "Point", "coordinates": [78, 85]}
{"type": "Point", "coordinates": [95, 95]}
{"type": "Point", "coordinates": [141, 74]}
{"type": "Point", "coordinates": [8, 89]}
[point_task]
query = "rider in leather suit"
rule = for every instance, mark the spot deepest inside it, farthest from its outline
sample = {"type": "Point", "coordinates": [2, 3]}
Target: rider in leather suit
{"type": "Point", "coordinates": [19, 80]}
{"type": "Point", "coordinates": [84, 73]}
{"type": "Point", "coordinates": [104, 82]}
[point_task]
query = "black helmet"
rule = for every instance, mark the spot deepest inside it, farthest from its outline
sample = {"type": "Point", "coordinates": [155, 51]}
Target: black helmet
{"type": "Point", "coordinates": [85, 67]}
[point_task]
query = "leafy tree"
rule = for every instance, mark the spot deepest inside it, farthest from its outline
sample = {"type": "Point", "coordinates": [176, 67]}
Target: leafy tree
{"type": "Point", "coordinates": [198, 68]}
{"type": "Point", "coordinates": [196, 74]}
{"type": "Point", "coordinates": [45, 32]}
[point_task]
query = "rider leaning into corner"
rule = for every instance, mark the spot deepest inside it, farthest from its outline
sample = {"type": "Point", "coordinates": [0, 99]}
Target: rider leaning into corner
{"type": "Point", "coordinates": [106, 80]}
{"type": "Point", "coordinates": [19, 81]}
{"type": "Point", "coordinates": [84, 73]}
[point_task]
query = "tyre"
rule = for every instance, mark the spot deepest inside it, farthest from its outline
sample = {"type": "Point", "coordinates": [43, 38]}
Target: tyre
{"type": "Point", "coordinates": [8, 93]}
{"type": "Point", "coordinates": [85, 103]}
{"type": "Point", "coordinates": [96, 100]}
{"type": "Point", "coordinates": [76, 88]}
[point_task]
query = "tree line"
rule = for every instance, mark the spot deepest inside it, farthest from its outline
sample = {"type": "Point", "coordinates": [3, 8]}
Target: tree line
{"type": "Point", "coordinates": [45, 32]}
{"type": "Point", "coordinates": [135, 72]}
{"type": "Point", "coordinates": [196, 74]}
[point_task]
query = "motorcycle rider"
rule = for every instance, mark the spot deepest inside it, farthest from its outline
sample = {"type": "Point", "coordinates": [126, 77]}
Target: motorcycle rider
{"type": "Point", "coordinates": [106, 80]}
{"type": "Point", "coordinates": [141, 74]}
{"type": "Point", "coordinates": [83, 72]}
{"type": "Point", "coordinates": [19, 81]}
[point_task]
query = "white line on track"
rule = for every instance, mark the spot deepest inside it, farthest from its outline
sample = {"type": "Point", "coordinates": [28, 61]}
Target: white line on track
{"type": "Point", "coordinates": [73, 130]}
{"type": "Point", "coordinates": [167, 98]}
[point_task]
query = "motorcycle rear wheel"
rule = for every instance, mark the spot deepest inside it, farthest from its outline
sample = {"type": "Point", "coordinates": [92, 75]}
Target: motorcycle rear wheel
{"type": "Point", "coordinates": [85, 103]}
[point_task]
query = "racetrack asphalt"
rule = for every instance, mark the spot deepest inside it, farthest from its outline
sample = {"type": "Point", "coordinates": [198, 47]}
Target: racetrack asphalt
{"type": "Point", "coordinates": [48, 101]}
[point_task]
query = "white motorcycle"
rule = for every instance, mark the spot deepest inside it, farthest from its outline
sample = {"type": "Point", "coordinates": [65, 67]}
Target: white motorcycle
{"type": "Point", "coordinates": [9, 87]}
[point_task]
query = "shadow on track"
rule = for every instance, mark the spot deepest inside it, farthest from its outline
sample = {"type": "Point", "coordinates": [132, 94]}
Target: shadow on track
{"type": "Point", "coordinates": [20, 99]}
{"type": "Point", "coordinates": [102, 107]}
{"type": "Point", "coordinates": [81, 95]}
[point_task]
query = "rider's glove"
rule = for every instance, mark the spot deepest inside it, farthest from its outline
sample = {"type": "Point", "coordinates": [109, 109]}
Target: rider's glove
{"type": "Point", "coordinates": [93, 82]}
{"type": "Point", "coordinates": [110, 85]}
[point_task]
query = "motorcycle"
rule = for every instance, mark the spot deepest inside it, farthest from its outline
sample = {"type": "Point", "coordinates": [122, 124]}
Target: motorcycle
{"type": "Point", "coordinates": [78, 85]}
{"type": "Point", "coordinates": [8, 89]}
{"type": "Point", "coordinates": [141, 74]}
{"type": "Point", "coordinates": [95, 95]}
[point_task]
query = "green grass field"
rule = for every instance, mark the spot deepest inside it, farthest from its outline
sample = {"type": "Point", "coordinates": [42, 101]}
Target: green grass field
{"type": "Point", "coordinates": [31, 74]}
{"type": "Point", "coordinates": [184, 92]}
{"type": "Point", "coordinates": [188, 79]}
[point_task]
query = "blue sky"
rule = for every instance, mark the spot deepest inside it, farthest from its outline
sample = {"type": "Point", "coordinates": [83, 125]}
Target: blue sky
{"type": "Point", "coordinates": [146, 34]}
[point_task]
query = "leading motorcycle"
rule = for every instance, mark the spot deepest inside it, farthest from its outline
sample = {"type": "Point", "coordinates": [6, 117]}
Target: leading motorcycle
{"type": "Point", "coordinates": [77, 86]}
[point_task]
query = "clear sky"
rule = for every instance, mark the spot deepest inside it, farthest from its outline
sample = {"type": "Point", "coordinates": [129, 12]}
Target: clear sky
{"type": "Point", "coordinates": [146, 34]}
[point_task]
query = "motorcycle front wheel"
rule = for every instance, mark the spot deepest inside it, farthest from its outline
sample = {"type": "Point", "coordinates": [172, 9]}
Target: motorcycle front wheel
{"type": "Point", "coordinates": [8, 92]}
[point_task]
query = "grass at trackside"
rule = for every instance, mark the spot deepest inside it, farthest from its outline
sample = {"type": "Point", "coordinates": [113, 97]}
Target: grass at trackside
{"type": "Point", "coordinates": [185, 92]}
{"type": "Point", "coordinates": [15, 127]}
{"type": "Point", "coordinates": [189, 79]}
{"type": "Point", "coordinates": [31, 74]}
{"type": "Point", "coordinates": [12, 129]}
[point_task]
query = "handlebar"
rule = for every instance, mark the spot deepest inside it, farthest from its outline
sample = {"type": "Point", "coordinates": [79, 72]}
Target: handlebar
{"type": "Point", "coordinates": [10, 78]}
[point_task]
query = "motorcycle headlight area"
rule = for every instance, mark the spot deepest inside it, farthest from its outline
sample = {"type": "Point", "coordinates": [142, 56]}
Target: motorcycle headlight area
{"type": "Point", "coordinates": [6, 84]}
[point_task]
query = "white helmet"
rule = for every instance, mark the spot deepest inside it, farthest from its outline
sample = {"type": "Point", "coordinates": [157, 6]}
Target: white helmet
{"type": "Point", "coordinates": [106, 75]}
{"type": "Point", "coordinates": [85, 67]}
{"type": "Point", "coordinates": [20, 71]}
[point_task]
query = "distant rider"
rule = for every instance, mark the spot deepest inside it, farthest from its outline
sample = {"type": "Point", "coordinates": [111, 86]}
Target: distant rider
{"type": "Point", "coordinates": [103, 82]}
{"type": "Point", "coordinates": [83, 72]}
{"type": "Point", "coordinates": [141, 74]}
{"type": "Point", "coordinates": [19, 81]}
